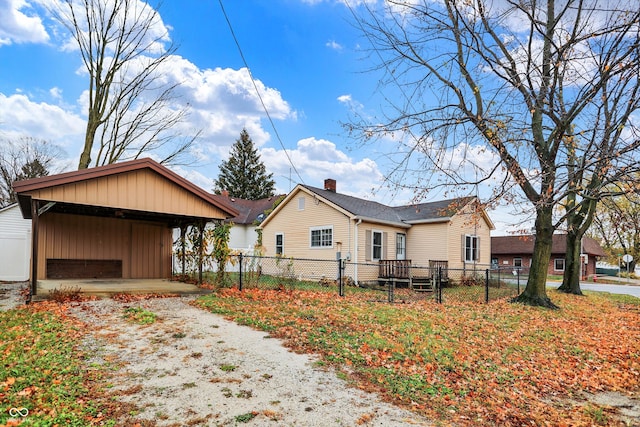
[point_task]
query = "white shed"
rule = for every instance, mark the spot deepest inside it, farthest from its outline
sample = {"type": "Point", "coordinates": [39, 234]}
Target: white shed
{"type": "Point", "coordinates": [15, 244]}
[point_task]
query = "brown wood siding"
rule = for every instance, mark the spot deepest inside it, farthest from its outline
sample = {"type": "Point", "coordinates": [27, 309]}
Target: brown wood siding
{"type": "Point", "coordinates": [141, 190]}
{"type": "Point", "coordinates": [151, 251]}
{"type": "Point", "coordinates": [78, 237]}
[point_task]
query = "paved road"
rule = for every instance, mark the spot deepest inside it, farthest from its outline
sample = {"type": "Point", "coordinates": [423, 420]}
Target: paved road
{"type": "Point", "coordinates": [601, 287]}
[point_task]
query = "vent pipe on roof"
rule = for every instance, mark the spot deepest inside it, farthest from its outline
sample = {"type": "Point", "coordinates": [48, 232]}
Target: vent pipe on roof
{"type": "Point", "coordinates": [330, 184]}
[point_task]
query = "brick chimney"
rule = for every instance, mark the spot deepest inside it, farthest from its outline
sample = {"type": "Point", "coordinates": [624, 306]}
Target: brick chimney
{"type": "Point", "coordinates": [330, 184]}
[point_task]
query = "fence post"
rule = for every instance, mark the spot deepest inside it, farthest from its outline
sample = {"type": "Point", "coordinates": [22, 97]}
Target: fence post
{"type": "Point", "coordinates": [486, 285]}
{"type": "Point", "coordinates": [439, 286]}
{"type": "Point", "coordinates": [518, 281]}
{"type": "Point", "coordinates": [340, 283]}
{"type": "Point", "coordinates": [240, 271]}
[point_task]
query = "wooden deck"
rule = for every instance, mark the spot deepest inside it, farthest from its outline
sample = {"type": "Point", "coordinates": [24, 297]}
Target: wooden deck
{"type": "Point", "coordinates": [419, 279]}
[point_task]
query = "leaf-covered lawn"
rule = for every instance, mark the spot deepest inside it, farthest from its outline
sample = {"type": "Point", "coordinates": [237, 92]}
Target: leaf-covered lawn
{"type": "Point", "coordinates": [43, 371]}
{"type": "Point", "coordinates": [481, 364]}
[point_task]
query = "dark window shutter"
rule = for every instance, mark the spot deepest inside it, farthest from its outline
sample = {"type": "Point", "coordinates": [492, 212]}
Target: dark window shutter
{"type": "Point", "coordinates": [385, 246]}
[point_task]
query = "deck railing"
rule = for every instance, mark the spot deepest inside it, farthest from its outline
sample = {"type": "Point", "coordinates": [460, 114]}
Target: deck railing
{"type": "Point", "coordinates": [394, 269]}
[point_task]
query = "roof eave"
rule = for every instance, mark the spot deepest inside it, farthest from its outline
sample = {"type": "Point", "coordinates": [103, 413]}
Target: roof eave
{"type": "Point", "coordinates": [382, 221]}
{"type": "Point", "coordinates": [429, 220]}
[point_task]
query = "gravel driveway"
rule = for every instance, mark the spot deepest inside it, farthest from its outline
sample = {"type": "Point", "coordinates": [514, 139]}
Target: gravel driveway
{"type": "Point", "coordinates": [195, 368]}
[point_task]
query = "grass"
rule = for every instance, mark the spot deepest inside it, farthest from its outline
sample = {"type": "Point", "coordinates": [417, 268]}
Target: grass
{"type": "Point", "coordinates": [457, 363]}
{"type": "Point", "coordinates": [465, 364]}
{"type": "Point", "coordinates": [43, 371]}
{"type": "Point", "coordinates": [140, 315]}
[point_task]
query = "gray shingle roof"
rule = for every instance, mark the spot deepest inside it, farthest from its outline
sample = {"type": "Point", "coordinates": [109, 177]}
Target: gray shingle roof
{"type": "Point", "coordinates": [442, 209]}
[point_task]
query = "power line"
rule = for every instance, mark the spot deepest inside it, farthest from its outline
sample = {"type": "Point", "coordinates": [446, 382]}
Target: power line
{"type": "Point", "coordinates": [255, 86]}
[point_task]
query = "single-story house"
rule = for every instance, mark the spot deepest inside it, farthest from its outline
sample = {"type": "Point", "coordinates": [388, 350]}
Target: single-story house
{"type": "Point", "coordinates": [243, 235]}
{"type": "Point", "coordinates": [516, 251]}
{"type": "Point", "coordinates": [320, 223]}
{"type": "Point", "coordinates": [113, 221]}
{"type": "Point", "coordinates": [15, 244]}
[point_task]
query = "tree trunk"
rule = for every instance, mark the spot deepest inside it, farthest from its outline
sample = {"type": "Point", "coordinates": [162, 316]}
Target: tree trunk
{"type": "Point", "coordinates": [535, 293]}
{"type": "Point", "coordinates": [85, 156]}
{"type": "Point", "coordinates": [572, 265]}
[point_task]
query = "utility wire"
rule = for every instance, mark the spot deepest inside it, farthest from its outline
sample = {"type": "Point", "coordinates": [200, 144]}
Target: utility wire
{"type": "Point", "coordinates": [255, 86]}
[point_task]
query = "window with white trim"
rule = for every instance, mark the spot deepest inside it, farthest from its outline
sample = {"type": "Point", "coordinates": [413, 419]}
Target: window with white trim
{"type": "Point", "coordinates": [471, 248]}
{"type": "Point", "coordinates": [517, 262]}
{"type": "Point", "coordinates": [279, 243]}
{"type": "Point", "coordinates": [558, 264]}
{"type": "Point", "coordinates": [376, 245]}
{"type": "Point", "coordinates": [321, 237]}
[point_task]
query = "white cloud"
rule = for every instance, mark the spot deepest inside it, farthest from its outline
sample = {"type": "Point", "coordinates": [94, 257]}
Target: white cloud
{"type": "Point", "coordinates": [319, 159]}
{"type": "Point", "coordinates": [17, 26]}
{"type": "Point", "coordinates": [56, 93]}
{"type": "Point", "coordinates": [332, 44]}
{"type": "Point", "coordinates": [22, 117]}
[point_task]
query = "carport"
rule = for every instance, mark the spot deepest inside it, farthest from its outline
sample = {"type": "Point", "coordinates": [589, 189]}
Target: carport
{"type": "Point", "coordinates": [111, 222]}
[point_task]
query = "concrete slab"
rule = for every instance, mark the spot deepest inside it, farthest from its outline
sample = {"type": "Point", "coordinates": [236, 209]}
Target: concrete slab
{"type": "Point", "coordinates": [109, 287]}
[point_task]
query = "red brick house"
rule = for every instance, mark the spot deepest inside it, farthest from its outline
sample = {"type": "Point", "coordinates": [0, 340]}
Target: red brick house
{"type": "Point", "coordinates": [516, 251]}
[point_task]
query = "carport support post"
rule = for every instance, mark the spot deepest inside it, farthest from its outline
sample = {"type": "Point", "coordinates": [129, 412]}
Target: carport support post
{"type": "Point", "coordinates": [34, 250]}
{"type": "Point", "coordinates": [201, 226]}
{"type": "Point", "coordinates": [183, 232]}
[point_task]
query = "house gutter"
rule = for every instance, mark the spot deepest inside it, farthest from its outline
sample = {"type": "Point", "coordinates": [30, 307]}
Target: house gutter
{"type": "Point", "coordinates": [355, 250]}
{"type": "Point", "coordinates": [381, 221]}
{"type": "Point", "coordinates": [429, 221]}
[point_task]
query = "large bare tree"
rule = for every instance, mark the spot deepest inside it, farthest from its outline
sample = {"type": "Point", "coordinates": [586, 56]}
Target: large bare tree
{"type": "Point", "coordinates": [132, 109]}
{"type": "Point", "coordinates": [25, 158]}
{"type": "Point", "coordinates": [548, 86]}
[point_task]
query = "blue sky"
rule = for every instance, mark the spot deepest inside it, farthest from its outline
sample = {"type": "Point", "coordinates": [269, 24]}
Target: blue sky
{"type": "Point", "coordinates": [307, 57]}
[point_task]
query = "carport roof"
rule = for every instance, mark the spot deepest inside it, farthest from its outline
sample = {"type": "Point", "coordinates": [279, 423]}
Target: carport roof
{"type": "Point", "coordinates": [28, 188]}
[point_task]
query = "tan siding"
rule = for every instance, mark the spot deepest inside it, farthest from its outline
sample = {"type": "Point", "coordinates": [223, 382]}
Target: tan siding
{"type": "Point", "coordinates": [295, 225]}
{"type": "Point", "coordinates": [426, 242]}
{"type": "Point", "coordinates": [472, 224]}
{"type": "Point", "coordinates": [80, 237]}
{"type": "Point", "coordinates": [142, 190]}
{"type": "Point", "coordinates": [388, 249]}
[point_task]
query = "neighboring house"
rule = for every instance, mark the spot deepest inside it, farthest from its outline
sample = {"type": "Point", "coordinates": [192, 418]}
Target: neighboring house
{"type": "Point", "coordinates": [243, 235]}
{"type": "Point", "coordinates": [15, 244]}
{"type": "Point", "coordinates": [516, 251]}
{"type": "Point", "coordinates": [320, 223]}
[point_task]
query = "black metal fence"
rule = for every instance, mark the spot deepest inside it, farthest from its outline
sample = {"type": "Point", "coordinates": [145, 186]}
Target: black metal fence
{"type": "Point", "coordinates": [373, 281]}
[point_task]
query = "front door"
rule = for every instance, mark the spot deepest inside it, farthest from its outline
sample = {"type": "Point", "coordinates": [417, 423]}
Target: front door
{"type": "Point", "coordinates": [401, 246]}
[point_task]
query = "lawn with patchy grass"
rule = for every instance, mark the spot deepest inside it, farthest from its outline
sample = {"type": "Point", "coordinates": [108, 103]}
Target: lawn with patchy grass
{"type": "Point", "coordinates": [464, 364]}
{"type": "Point", "coordinates": [43, 376]}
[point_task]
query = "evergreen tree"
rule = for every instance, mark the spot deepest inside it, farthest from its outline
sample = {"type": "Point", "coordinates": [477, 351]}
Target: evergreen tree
{"type": "Point", "coordinates": [244, 176]}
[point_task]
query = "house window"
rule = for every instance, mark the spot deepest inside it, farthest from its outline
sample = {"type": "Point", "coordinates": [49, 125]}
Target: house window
{"type": "Point", "coordinates": [300, 203]}
{"type": "Point", "coordinates": [401, 246]}
{"type": "Point", "coordinates": [517, 262]}
{"type": "Point", "coordinates": [471, 248]}
{"type": "Point", "coordinates": [322, 237]}
{"type": "Point", "coordinates": [558, 264]}
{"type": "Point", "coordinates": [376, 245]}
{"type": "Point", "coordinates": [279, 243]}
{"type": "Point", "coordinates": [494, 262]}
